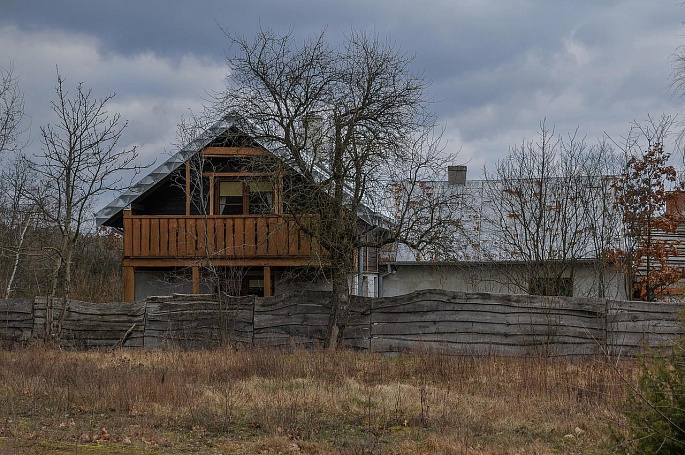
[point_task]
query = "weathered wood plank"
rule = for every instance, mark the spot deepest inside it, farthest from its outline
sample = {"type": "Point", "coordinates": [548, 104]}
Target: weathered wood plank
{"type": "Point", "coordinates": [182, 236]}
{"type": "Point", "coordinates": [459, 322]}
{"type": "Point", "coordinates": [239, 238]}
{"type": "Point", "coordinates": [262, 239]}
{"type": "Point", "coordinates": [220, 236]}
{"type": "Point", "coordinates": [137, 239]}
{"type": "Point", "coordinates": [145, 237]}
{"type": "Point", "coordinates": [164, 237]}
{"type": "Point", "coordinates": [154, 237]}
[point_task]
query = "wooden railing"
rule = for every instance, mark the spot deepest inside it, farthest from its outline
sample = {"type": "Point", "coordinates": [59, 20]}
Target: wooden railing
{"type": "Point", "coordinates": [215, 237]}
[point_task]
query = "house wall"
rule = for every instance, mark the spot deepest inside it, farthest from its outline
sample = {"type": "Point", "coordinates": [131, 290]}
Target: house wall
{"type": "Point", "coordinates": [159, 282]}
{"type": "Point", "coordinates": [162, 282]}
{"type": "Point", "coordinates": [302, 282]}
{"type": "Point", "coordinates": [488, 277]}
{"type": "Point", "coordinates": [168, 199]}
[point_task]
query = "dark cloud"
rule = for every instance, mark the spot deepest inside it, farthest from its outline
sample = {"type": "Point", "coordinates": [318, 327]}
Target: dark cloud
{"type": "Point", "coordinates": [496, 68]}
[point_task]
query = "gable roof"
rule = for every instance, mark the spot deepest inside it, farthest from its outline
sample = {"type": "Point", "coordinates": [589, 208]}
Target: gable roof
{"type": "Point", "coordinates": [125, 199]}
{"type": "Point", "coordinates": [114, 210]}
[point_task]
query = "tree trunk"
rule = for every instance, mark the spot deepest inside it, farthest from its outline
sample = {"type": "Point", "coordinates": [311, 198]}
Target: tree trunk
{"type": "Point", "coordinates": [66, 290]}
{"type": "Point", "coordinates": [17, 255]}
{"type": "Point", "coordinates": [50, 304]}
{"type": "Point", "coordinates": [340, 299]}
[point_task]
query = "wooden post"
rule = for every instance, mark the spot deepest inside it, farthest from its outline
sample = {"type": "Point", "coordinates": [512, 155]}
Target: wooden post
{"type": "Point", "coordinates": [267, 282]}
{"type": "Point", "coordinates": [196, 279]}
{"type": "Point", "coordinates": [188, 190]}
{"type": "Point", "coordinates": [211, 194]}
{"type": "Point", "coordinates": [128, 233]}
{"type": "Point", "coordinates": [129, 284]}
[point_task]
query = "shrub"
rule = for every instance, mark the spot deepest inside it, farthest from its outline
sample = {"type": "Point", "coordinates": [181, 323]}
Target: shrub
{"type": "Point", "coordinates": [656, 407]}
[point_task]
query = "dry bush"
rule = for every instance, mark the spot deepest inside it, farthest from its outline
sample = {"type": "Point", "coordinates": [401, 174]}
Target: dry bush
{"type": "Point", "coordinates": [267, 401]}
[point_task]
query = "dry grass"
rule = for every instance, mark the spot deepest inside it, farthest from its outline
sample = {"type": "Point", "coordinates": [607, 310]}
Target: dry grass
{"type": "Point", "coordinates": [344, 403]}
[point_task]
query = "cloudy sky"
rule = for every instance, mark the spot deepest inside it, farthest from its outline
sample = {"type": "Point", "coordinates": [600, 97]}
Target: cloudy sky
{"type": "Point", "coordinates": [496, 68]}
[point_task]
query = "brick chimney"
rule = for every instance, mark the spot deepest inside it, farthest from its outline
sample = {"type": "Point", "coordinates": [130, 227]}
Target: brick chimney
{"type": "Point", "coordinates": [675, 203]}
{"type": "Point", "coordinates": [456, 175]}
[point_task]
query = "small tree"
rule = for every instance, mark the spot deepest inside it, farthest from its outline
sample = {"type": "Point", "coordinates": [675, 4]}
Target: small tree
{"type": "Point", "coordinates": [642, 193]}
{"type": "Point", "coordinates": [80, 160]}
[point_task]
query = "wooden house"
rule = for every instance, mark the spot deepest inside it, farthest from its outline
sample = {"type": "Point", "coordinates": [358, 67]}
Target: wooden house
{"type": "Point", "coordinates": [210, 211]}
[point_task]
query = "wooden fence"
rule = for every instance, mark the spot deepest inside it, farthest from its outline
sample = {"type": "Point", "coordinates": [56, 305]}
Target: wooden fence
{"type": "Point", "coordinates": [473, 323]}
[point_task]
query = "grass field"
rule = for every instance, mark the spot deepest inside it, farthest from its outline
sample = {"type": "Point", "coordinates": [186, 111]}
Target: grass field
{"type": "Point", "coordinates": [267, 402]}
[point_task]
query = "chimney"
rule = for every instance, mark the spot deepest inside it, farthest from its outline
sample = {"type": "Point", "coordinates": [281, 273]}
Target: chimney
{"type": "Point", "coordinates": [312, 126]}
{"type": "Point", "coordinates": [675, 203]}
{"type": "Point", "coordinates": [456, 175]}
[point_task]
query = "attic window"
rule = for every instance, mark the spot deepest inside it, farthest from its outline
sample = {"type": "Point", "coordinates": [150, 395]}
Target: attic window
{"type": "Point", "coordinates": [237, 197]}
{"type": "Point", "coordinates": [231, 198]}
{"type": "Point", "coordinates": [260, 198]}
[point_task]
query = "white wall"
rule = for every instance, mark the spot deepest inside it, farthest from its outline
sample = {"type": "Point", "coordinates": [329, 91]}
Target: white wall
{"type": "Point", "coordinates": [489, 277]}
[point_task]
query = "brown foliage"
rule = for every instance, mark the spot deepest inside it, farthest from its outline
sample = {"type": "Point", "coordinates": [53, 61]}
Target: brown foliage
{"type": "Point", "coordinates": [642, 193]}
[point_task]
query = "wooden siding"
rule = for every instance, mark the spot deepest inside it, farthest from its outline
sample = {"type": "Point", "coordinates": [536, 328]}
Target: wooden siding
{"type": "Point", "coordinates": [155, 237]}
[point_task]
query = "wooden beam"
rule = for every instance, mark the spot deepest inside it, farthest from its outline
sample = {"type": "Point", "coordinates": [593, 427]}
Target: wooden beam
{"type": "Point", "coordinates": [234, 151]}
{"type": "Point", "coordinates": [129, 284]}
{"type": "Point", "coordinates": [128, 234]}
{"type": "Point", "coordinates": [211, 195]}
{"type": "Point", "coordinates": [225, 262]}
{"type": "Point", "coordinates": [237, 174]}
{"type": "Point", "coordinates": [187, 188]}
{"type": "Point", "coordinates": [267, 282]}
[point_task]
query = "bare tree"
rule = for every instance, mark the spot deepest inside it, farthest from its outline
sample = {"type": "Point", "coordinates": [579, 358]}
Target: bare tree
{"type": "Point", "coordinates": [11, 111]}
{"type": "Point", "coordinates": [547, 211]}
{"type": "Point", "coordinates": [340, 118]}
{"type": "Point", "coordinates": [428, 211]}
{"type": "Point", "coordinates": [17, 216]}
{"type": "Point", "coordinates": [14, 178]}
{"type": "Point", "coordinates": [80, 160]}
{"type": "Point", "coordinates": [598, 175]}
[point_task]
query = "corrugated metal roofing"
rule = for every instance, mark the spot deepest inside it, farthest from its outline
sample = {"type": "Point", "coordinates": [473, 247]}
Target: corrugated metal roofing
{"type": "Point", "coordinates": [124, 200]}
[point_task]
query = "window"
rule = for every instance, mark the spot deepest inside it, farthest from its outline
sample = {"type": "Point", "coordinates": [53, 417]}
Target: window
{"type": "Point", "coordinates": [231, 198]}
{"type": "Point", "coordinates": [367, 259]}
{"type": "Point", "coordinates": [243, 198]}
{"type": "Point", "coordinates": [255, 287]}
{"type": "Point", "coordinates": [551, 286]}
{"type": "Point", "coordinates": [261, 198]}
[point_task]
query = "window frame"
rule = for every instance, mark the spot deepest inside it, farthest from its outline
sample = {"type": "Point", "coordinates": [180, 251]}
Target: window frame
{"type": "Point", "coordinates": [245, 189]}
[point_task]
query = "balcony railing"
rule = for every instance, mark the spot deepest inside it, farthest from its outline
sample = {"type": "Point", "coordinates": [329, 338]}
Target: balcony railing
{"type": "Point", "coordinates": [215, 237]}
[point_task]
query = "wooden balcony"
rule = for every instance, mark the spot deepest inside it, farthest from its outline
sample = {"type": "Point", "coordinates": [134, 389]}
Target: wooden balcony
{"type": "Point", "coordinates": [216, 237]}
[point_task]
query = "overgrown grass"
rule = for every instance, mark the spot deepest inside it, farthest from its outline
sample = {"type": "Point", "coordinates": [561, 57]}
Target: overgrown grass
{"type": "Point", "coordinates": [265, 401]}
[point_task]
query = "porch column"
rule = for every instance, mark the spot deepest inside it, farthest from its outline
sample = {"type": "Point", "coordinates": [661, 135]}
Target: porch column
{"type": "Point", "coordinates": [196, 279]}
{"type": "Point", "coordinates": [267, 282]}
{"type": "Point", "coordinates": [129, 284]}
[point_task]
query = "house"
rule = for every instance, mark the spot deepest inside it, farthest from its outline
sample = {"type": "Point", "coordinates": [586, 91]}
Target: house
{"type": "Point", "coordinates": [536, 236]}
{"type": "Point", "coordinates": [211, 218]}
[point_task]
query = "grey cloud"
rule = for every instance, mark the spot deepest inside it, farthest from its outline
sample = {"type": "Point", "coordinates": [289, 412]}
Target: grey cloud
{"type": "Point", "coordinates": [496, 68]}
